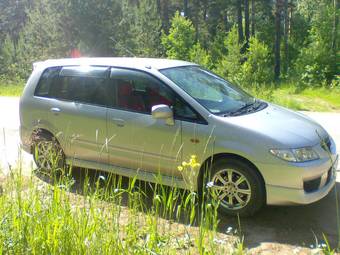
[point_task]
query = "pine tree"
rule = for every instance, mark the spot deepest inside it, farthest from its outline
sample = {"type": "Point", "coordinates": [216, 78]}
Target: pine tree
{"type": "Point", "coordinates": [180, 39]}
{"type": "Point", "coordinates": [147, 29]}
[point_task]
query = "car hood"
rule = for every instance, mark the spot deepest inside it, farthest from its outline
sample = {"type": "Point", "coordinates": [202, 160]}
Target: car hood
{"type": "Point", "coordinates": [286, 128]}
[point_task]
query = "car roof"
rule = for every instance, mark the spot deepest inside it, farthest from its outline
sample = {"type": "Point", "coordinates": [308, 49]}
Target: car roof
{"type": "Point", "coordinates": [136, 63]}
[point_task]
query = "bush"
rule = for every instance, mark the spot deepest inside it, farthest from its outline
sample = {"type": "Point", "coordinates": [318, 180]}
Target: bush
{"type": "Point", "coordinates": [316, 64]}
{"type": "Point", "coordinates": [230, 65]}
{"type": "Point", "coordinates": [180, 39]}
{"type": "Point", "coordinates": [257, 69]}
{"type": "Point", "coordinates": [252, 68]}
{"type": "Point", "coordinates": [200, 56]}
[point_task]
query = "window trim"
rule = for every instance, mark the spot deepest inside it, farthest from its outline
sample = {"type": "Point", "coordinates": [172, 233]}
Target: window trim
{"type": "Point", "coordinates": [200, 120]}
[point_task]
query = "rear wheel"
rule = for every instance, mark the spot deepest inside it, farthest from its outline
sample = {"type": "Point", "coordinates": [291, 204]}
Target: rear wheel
{"type": "Point", "coordinates": [47, 153]}
{"type": "Point", "coordinates": [238, 186]}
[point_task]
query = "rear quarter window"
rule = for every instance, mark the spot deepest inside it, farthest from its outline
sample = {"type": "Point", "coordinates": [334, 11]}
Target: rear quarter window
{"type": "Point", "coordinates": [83, 84]}
{"type": "Point", "coordinates": [48, 79]}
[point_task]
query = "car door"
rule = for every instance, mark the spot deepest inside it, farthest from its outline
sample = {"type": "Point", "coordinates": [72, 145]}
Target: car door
{"type": "Point", "coordinates": [78, 112]}
{"type": "Point", "coordinates": [136, 139]}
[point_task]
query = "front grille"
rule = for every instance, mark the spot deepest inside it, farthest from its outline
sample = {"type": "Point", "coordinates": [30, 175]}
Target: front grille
{"type": "Point", "coordinates": [311, 185]}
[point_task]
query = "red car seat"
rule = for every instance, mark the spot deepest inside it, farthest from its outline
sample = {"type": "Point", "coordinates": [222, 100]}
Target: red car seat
{"type": "Point", "coordinates": [127, 100]}
{"type": "Point", "coordinates": [156, 98]}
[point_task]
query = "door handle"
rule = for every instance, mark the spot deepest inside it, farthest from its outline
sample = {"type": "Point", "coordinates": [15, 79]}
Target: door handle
{"type": "Point", "coordinates": [119, 122]}
{"type": "Point", "coordinates": [55, 110]}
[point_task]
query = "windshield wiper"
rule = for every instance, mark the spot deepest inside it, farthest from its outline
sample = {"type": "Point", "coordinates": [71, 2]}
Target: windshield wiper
{"type": "Point", "coordinates": [248, 107]}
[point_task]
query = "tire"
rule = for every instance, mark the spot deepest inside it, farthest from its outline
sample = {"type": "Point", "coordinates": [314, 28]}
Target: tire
{"type": "Point", "coordinates": [47, 153]}
{"type": "Point", "coordinates": [244, 195]}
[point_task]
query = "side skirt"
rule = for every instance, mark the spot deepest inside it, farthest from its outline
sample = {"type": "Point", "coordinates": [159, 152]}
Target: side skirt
{"type": "Point", "coordinates": [139, 174]}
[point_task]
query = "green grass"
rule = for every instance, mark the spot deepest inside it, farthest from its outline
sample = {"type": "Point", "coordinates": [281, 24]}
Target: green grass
{"type": "Point", "coordinates": [106, 216]}
{"type": "Point", "coordinates": [309, 99]}
{"type": "Point", "coordinates": [12, 89]}
{"type": "Point", "coordinates": [318, 99]}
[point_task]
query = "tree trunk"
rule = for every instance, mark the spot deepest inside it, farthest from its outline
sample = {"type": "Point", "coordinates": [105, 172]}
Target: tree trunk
{"type": "Point", "coordinates": [205, 9]}
{"type": "Point", "coordinates": [239, 21]}
{"type": "Point", "coordinates": [246, 21]}
{"type": "Point", "coordinates": [186, 10]}
{"type": "Point", "coordinates": [253, 17]}
{"type": "Point", "coordinates": [226, 21]}
{"type": "Point", "coordinates": [166, 24]}
{"type": "Point", "coordinates": [159, 7]}
{"type": "Point", "coordinates": [196, 18]}
{"type": "Point", "coordinates": [335, 27]}
{"type": "Point", "coordinates": [286, 34]}
{"type": "Point", "coordinates": [277, 65]}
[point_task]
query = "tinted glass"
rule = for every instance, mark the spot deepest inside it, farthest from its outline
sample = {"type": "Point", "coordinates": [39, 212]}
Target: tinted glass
{"type": "Point", "coordinates": [138, 91]}
{"type": "Point", "coordinates": [84, 85]}
{"type": "Point", "coordinates": [47, 80]}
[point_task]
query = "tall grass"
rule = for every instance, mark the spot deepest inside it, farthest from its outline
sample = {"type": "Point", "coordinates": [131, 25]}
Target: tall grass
{"type": "Point", "coordinates": [11, 87]}
{"type": "Point", "coordinates": [297, 97]}
{"type": "Point", "coordinates": [106, 214]}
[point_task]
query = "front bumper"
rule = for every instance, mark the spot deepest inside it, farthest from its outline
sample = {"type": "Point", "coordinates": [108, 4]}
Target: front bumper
{"type": "Point", "coordinates": [286, 196]}
{"type": "Point", "coordinates": [278, 195]}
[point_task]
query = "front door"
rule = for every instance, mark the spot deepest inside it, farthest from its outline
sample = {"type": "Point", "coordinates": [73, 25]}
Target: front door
{"type": "Point", "coordinates": [135, 139]}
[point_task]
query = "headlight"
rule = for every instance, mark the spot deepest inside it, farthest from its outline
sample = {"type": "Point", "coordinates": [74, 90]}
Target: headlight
{"type": "Point", "coordinates": [296, 155]}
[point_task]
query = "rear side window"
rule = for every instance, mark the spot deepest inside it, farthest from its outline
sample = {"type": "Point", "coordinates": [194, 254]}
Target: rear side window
{"type": "Point", "coordinates": [48, 79]}
{"type": "Point", "coordinates": [82, 84]}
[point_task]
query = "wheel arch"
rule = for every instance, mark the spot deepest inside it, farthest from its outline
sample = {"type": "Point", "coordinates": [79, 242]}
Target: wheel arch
{"type": "Point", "coordinates": [206, 165]}
{"type": "Point", "coordinates": [38, 131]}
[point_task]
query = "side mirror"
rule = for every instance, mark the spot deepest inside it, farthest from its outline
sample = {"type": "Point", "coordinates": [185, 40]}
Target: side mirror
{"type": "Point", "coordinates": [162, 111]}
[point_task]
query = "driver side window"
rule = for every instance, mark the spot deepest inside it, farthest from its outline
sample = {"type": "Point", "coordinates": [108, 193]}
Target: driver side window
{"type": "Point", "coordinates": [137, 91]}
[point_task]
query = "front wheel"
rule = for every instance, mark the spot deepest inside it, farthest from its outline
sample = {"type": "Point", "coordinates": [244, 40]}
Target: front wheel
{"type": "Point", "coordinates": [238, 187]}
{"type": "Point", "coordinates": [47, 153]}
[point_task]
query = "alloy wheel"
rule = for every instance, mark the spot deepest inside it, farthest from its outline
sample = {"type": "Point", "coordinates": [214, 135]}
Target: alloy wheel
{"type": "Point", "coordinates": [232, 188]}
{"type": "Point", "coordinates": [47, 155]}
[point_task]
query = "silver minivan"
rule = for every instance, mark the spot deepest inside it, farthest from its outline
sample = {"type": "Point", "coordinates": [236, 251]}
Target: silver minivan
{"type": "Point", "coordinates": [144, 117]}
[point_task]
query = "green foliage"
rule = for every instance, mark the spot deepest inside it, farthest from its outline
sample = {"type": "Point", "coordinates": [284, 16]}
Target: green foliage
{"type": "Point", "coordinates": [316, 63]}
{"type": "Point", "coordinates": [7, 56]}
{"type": "Point", "coordinates": [252, 68]}
{"type": "Point", "coordinates": [42, 37]}
{"type": "Point", "coordinates": [97, 26]}
{"type": "Point", "coordinates": [200, 56]}
{"type": "Point", "coordinates": [257, 69]}
{"type": "Point", "coordinates": [230, 66]}
{"type": "Point", "coordinates": [217, 46]}
{"type": "Point", "coordinates": [42, 29]}
{"type": "Point", "coordinates": [147, 29]}
{"type": "Point", "coordinates": [180, 39]}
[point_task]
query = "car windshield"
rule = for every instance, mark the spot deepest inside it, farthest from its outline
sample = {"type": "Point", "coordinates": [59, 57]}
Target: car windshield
{"type": "Point", "coordinates": [214, 93]}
